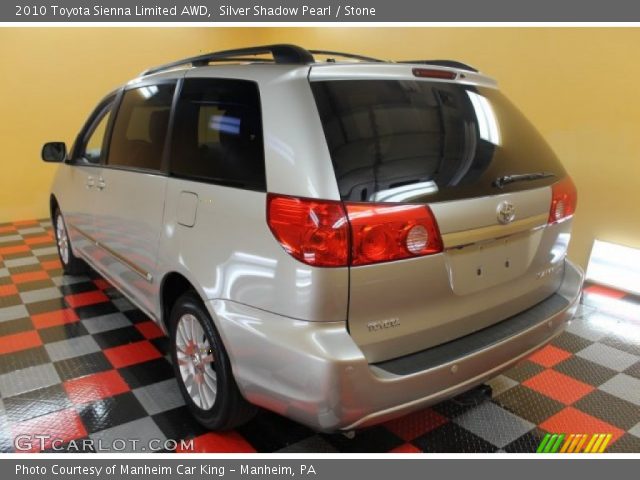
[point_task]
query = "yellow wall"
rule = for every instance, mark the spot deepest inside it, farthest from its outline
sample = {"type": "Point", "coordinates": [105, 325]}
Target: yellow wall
{"type": "Point", "coordinates": [578, 85]}
{"type": "Point", "coordinates": [52, 78]}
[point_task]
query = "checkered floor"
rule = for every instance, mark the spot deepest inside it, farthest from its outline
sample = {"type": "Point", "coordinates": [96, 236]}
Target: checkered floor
{"type": "Point", "coordinates": [78, 361]}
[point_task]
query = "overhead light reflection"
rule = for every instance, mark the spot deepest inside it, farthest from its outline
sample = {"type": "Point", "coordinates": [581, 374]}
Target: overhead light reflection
{"type": "Point", "coordinates": [487, 121]}
{"type": "Point", "coordinates": [405, 192]}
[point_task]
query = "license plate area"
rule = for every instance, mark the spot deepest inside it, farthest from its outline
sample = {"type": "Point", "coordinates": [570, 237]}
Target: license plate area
{"type": "Point", "coordinates": [486, 264]}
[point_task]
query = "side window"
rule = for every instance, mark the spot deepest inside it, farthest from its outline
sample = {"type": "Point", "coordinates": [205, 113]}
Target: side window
{"type": "Point", "coordinates": [140, 127]}
{"type": "Point", "coordinates": [91, 151]}
{"type": "Point", "coordinates": [218, 134]}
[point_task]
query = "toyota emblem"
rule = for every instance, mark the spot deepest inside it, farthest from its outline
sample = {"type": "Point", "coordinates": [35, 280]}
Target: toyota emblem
{"type": "Point", "coordinates": [506, 212]}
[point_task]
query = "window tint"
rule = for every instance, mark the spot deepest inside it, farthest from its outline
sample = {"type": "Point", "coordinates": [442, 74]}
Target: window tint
{"type": "Point", "coordinates": [406, 141]}
{"type": "Point", "coordinates": [140, 128]}
{"type": "Point", "coordinates": [218, 134]}
{"type": "Point", "coordinates": [94, 141]}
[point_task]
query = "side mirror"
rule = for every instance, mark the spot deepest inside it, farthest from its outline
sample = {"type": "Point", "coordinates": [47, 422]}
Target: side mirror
{"type": "Point", "coordinates": [54, 152]}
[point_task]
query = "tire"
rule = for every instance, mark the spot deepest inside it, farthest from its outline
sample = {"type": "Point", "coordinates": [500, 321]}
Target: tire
{"type": "Point", "coordinates": [71, 265]}
{"type": "Point", "coordinates": [202, 368]}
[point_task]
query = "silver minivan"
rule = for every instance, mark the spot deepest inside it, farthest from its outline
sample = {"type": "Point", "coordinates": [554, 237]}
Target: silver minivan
{"type": "Point", "coordinates": [339, 241]}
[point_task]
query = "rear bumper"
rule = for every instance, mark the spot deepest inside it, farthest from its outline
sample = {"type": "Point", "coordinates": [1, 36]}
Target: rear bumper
{"type": "Point", "coordinates": [314, 373]}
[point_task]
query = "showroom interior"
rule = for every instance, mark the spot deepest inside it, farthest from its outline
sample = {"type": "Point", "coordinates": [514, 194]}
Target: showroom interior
{"type": "Point", "coordinates": [66, 365]}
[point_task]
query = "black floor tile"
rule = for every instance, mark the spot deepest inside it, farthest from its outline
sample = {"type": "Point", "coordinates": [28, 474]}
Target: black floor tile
{"type": "Point", "coordinates": [528, 404]}
{"type": "Point", "coordinates": [570, 342]}
{"type": "Point", "coordinates": [269, 432]}
{"type": "Point", "coordinates": [10, 301]}
{"type": "Point", "coordinates": [23, 359]}
{"type": "Point", "coordinates": [609, 408]}
{"type": "Point", "coordinates": [146, 373]}
{"type": "Point", "coordinates": [136, 316]}
{"type": "Point", "coordinates": [625, 343]}
{"type": "Point", "coordinates": [117, 337]}
{"type": "Point", "coordinates": [37, 285]}
{"type": "Point", "coordinates": [451, 438]}
{"type": "Point", "coordinates": [370, 440]}
{"type": "Point", "coordinates": [62, 332]}
{"type": "Point", "coordinates": [586, 371]}
{"type": "Point", "coordinates": [83, 365]}
{"type": "Point", "coordinates": [634, 370]}
{"type": "Point", "coordinates": [80, 287]}
{"type": "Point", "coordinates": [110, 412]}
{"type": "Point", "coordinates": [178, 423]}
{"type": "Point", "coordinates": [527, 443]}
{"type": "Point", "coordinates": [627, 443]}
{"type": "Point", "coordinates": [36, 403]}
{"type": "Point", "coordinates": [46, 306]}
{"type": "Point", "coordinates": [524, 371]}
{"type": "Point", "coordinates": [96, 310]}
{"type": "Point", "coordinates": [15, 326]}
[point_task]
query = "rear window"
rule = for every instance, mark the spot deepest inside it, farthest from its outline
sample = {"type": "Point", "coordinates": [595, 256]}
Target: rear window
{"type": "Point", "coordinates": [421, 141]}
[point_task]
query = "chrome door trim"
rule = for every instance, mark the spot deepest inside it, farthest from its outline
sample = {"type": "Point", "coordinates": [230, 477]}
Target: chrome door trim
{"type": "Point", "coordinates": [136, 268]}
{"type": "Point", "coordinates": [492, 232]}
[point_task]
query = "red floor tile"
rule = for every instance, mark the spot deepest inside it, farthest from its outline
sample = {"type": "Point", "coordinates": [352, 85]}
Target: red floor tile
{"type": "Point", "coordinates": [39, 240]}
{"type": "Point", "coordinates": [549, 356]}
{"type": "Point", "coordinates": [219, 442]}
{"type": "Point", "coordinates": [95, 387]}
{"type": "Point", "coordinates": [57, 317]}
{"type": "Point", "coordinates": [25, 223]}
{"type": "Point", "coordinates": [29, 276]}
{"type": "Point", "coordinates": [14, 249]}
{"type": "Point", "coordinates": [604, 291]}
{"type": "Point", "coordinates": [19, 341]}
{"type": "Point", "coordinates": [558, 386]}
{"type": "Point", "coordinates": [51, 264]}
{"type": "Point", "coordinates": [415, 424]}
{"type": "Point", "coordinates": [85, 298]}
{"type": "Point", "coordinates": [7, 229]}
{"type": "Point", "coordinates": [101, 283]}
{"type": "Point", "coordinates": [60, 427]}
{"type": "Point", "coordinates": [571, 420]}
{"type": "Point", "coordinates": [150, 330]}
{"type": "Point", "coordinates": [405, 448]}
{"type": "Point", "coordinates": [7, 290]}
{"type": "Point", "coordinates": [132, 353]}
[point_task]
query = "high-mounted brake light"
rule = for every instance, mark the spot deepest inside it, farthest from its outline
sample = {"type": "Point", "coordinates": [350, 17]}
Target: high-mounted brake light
{"type": "Point", "coordinates": [434, 73]}
{"type": "Point", "coordinates": [564, 199]}
{"type": "Point", "coordinates": [332, 234]}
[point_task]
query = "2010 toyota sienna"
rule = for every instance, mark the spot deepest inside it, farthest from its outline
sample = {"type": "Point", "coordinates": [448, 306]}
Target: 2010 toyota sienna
{"type": "Point", "coordinates": [338, 241]}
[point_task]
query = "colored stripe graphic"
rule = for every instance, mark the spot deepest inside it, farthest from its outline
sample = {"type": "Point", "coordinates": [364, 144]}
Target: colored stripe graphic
{"type": "Point", "coordinates": [573, 443]}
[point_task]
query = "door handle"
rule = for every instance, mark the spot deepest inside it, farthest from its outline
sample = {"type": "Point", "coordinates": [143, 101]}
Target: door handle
{"type": "Point", "coordinates": [101, 183]}
{"type": "Point", "coordinates": [90, 182]}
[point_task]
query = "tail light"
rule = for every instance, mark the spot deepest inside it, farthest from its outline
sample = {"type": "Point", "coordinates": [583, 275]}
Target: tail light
{"type": "Point", "coordinates": [564, 199]}
{"type": "Point", "coordinates": [383, 232]}
{"type": "Point", "coordinates": [326, 233]}
{"type": "Point", "coordinates": [315, 232]}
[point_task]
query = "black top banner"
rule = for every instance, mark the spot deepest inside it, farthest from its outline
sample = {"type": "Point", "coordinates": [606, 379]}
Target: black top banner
{"type": "Point", "coordinates": [330, 11]}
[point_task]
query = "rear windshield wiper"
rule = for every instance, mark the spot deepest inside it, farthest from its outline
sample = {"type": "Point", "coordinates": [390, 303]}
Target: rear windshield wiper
{"type": "Point", "coordinates": [500, 182]}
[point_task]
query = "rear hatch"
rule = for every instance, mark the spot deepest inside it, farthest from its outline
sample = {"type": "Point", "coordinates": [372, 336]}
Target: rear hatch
{"type": "Point", "coordinates": [402, 134]}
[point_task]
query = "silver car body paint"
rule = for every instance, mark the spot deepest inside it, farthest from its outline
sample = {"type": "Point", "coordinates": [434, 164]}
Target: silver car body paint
{"type": "Point", "coordinates": [302, 340]}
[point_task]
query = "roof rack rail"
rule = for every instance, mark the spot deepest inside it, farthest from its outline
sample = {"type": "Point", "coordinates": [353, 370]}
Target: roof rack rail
{"type": "Point", "coordinates": [345, 55]}
{"type": "Point", "coordinates": [442, 63]}
{"type": "Point", "coordinates": [282, 53]}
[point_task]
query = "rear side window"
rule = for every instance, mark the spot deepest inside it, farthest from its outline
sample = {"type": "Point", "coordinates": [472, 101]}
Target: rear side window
{"type": "Point", "coordinates": [140, 128]}
{"type": "Point", "coordinates": [421, 141]}
{"type": "Point", "coordinates": [218, 134]}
